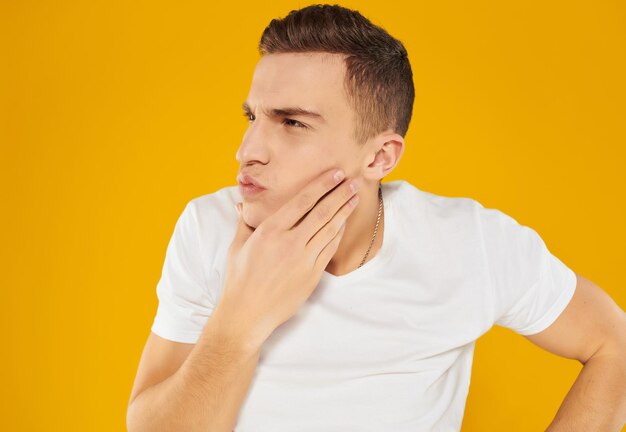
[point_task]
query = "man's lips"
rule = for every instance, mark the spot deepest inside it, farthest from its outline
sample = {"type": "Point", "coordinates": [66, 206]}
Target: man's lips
{"type": "Point", "coordinates": [245, 179]}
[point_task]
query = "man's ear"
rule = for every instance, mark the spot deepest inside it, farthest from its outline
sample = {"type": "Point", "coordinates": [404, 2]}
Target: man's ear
{"type": "Point", "coordinates": [387, 149]}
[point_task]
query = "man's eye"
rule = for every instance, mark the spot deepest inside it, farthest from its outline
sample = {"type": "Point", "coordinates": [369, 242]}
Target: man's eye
{"type": "Point", "coordinates": [290, 122]}
{"type": "Point", "coordinates": [295, 121]}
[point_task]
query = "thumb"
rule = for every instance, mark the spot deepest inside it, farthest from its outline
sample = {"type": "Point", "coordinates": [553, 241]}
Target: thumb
{"type": "Point", "coordinates": [242, 231]}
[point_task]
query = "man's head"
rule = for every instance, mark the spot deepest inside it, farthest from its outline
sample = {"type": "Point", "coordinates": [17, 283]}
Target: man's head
{"type": "Point", "coordinates": [334, 62]}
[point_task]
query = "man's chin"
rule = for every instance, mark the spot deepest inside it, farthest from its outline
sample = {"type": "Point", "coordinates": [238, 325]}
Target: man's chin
{"type": "Point", "coordinates": [250, 218]}
{"type": "Point", "coordinates": [254, 213]}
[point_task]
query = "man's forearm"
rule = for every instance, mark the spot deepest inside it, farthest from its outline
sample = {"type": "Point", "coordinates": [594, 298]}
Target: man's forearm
{"type": "Point", "coordinates": [597, 399]}
{"type": "Point", "coordinates": [207, 391]}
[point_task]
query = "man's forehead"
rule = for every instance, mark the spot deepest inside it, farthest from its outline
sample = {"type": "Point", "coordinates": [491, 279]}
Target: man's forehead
{"type": "Point", "coordinates": [297, 72]}
{"type": "Point", "coordinates": [297, 81]}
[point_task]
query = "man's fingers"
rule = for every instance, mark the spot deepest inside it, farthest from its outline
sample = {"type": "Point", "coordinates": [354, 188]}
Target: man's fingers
{"type": "Point", "coordinates": [305, 200]}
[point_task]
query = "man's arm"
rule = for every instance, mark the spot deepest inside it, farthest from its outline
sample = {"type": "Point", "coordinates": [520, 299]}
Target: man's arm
{"type": "Point", "coordinates": [592, 330]}
{"type": "Point", "coordinates": [207, 391]}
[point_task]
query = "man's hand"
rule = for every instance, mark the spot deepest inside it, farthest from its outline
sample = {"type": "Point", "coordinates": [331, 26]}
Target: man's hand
{"type": "Point", "coordinates": [272, 270]}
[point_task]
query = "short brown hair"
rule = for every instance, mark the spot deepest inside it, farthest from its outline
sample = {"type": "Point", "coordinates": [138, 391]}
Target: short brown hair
{"type": "Point", "coordinates": [378, 81]}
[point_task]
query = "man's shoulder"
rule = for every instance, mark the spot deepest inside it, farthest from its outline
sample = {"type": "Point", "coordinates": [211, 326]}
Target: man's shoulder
{"type": "Point", "coordinates": [433, 204]}
{"type": "Point", "coordinates": [215, 213]}
{"type": "Point", "coordinates": [443, 213]}
{"type": "Point", "coordinates": [214, 217]}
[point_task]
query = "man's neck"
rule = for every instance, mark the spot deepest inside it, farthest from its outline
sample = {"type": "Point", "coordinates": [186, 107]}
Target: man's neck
{"type": "Point", "coordinates": [358, 235]}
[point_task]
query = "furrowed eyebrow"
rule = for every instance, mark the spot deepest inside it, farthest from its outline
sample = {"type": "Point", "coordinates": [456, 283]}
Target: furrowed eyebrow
{"type": "Point", "coordinates": [286, 112]}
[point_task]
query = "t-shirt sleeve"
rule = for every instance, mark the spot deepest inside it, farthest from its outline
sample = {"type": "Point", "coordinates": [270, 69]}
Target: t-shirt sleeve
{"type": "Point", "coordinates": [530, 286]}
{"type": "Point", "coordinates": [184, 304]}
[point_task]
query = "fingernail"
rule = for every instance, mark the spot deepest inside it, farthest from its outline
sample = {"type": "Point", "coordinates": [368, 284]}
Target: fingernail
{"type": "Point", "coordinates": [238, 208]}
{"type": "Point", "coordinates": [339, 176]}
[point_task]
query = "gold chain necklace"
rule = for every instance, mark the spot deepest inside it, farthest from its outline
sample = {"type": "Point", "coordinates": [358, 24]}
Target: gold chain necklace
{"type": "Point", "coordinates": [380, 209]}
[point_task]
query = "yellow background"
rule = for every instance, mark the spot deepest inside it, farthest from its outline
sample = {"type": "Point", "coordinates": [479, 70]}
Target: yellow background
{"type": "Point", "coordinates": [114, 114]}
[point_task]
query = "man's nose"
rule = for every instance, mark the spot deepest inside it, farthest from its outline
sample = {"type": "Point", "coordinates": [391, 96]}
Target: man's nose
{"type": "Point", "coordinates": [255, 143]}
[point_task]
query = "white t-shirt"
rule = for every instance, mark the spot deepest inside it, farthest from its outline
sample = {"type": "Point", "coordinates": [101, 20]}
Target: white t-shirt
{"type": "Point", "coordinates": [388, 346]}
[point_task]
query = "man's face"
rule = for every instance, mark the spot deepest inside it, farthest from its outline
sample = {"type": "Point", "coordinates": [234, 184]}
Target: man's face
{"type": "Point", "coordinates": [284, 152]}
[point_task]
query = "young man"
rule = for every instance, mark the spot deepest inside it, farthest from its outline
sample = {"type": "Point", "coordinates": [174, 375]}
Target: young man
{"type": "Point", "coordinates": [305, 312]}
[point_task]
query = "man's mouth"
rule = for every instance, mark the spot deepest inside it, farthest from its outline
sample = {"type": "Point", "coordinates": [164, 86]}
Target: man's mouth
{"type": "Point", "coordinates": [248, 180]}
